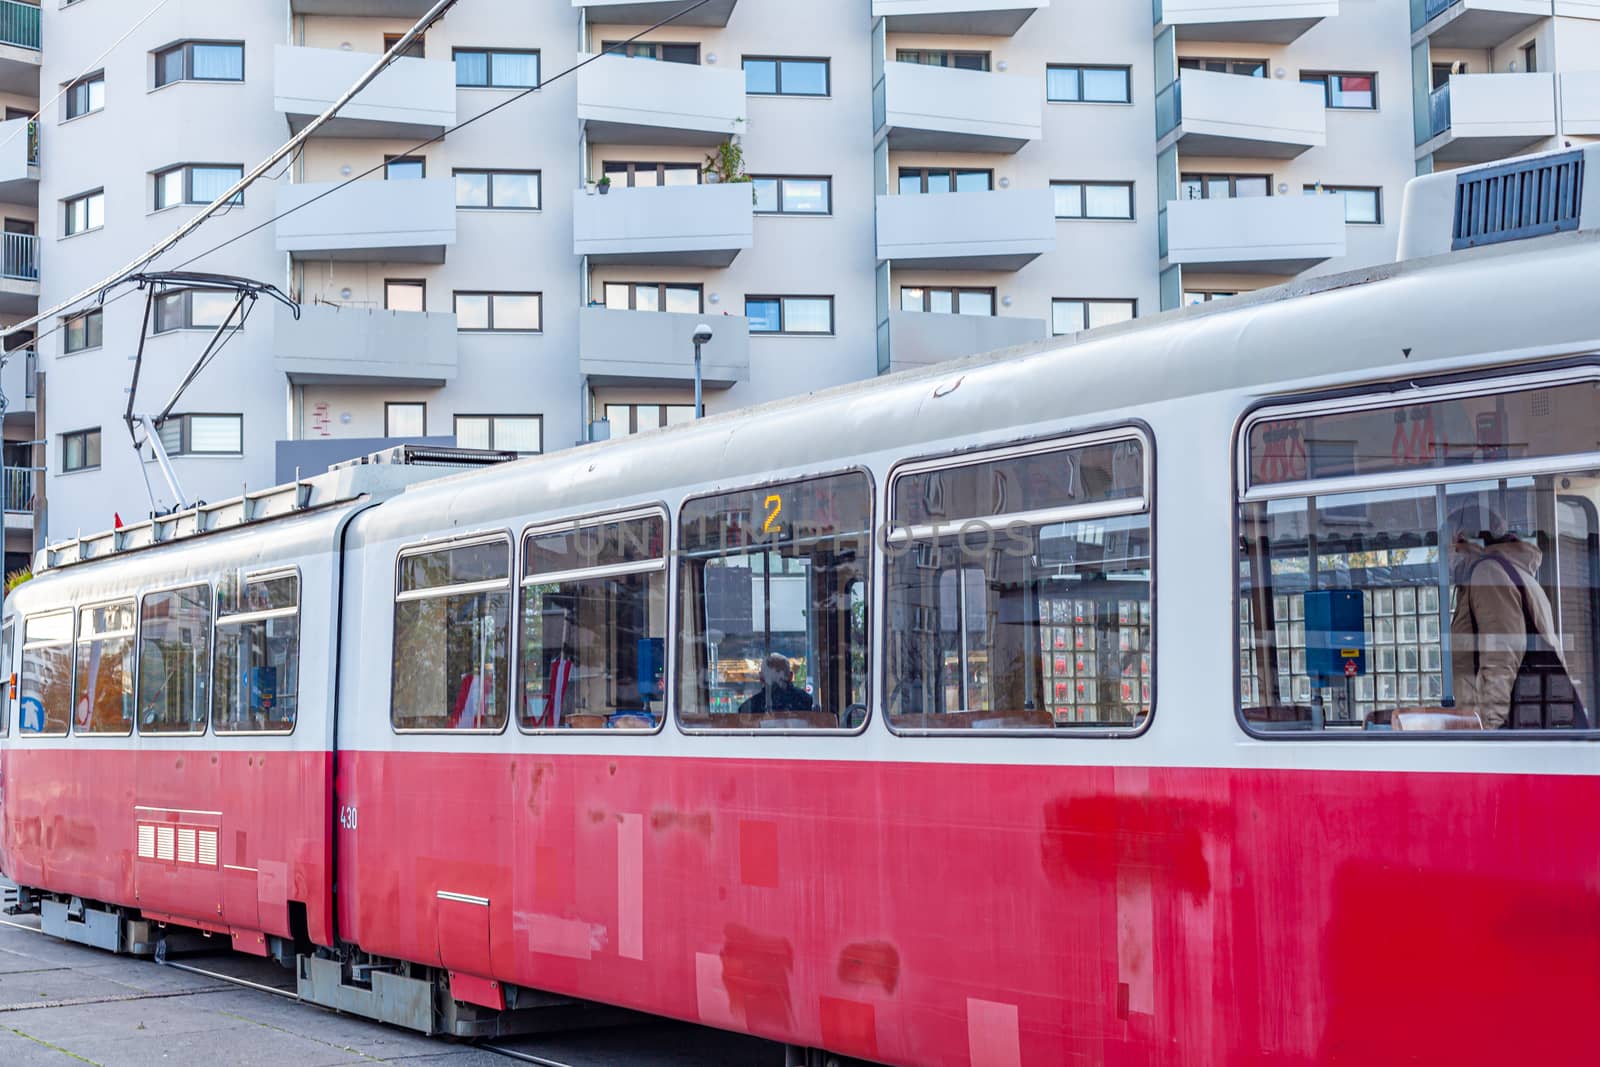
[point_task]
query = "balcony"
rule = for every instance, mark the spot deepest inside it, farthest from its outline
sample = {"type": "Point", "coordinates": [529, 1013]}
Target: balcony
{"type": "Point", "coordinates": [656, 348]}
{"type": "Point", "coordinates": [1252, 21]}
{"type": "Point", "coordinates": [997, 230]}
{"type": "Point", "coordinates": [1479, 117]}
{"type": "Point", "coordinates": [688, 225]}
{"type": "Point", "coordinates": [18, 489]}
{"type": "Point", "coordinates": [387, 9]}
{"type": "Point", "coordinates": [331, 345]}
{"type": "Point", "coordinates": [923, 338]}
{"type": "Point", "coordinates": [19, 161]}
{"type": "Point", "coordinates": [637, 102]}
{"type": "Point", "coordinates": [649, 12]}
{"type": "Point", "coordinates": [19, 48]}
{"type": "Point", "coordinates": [1473, 23]}
{"type": "Point", "coordinates": [1580, 102]}
{"type": "Point", "coordinates": [943, 109]}
{"type": "Point", "coordinates": [413, 98]}
{"type": "Point", "coordinates": [1255, 235]}
{"type": "Point", "coordinates": [981, 18]}
{"type": "Point", "coordinates": [398, 221]}
{"type": "Point", "coordinates": [19, 273]}
{"type": "Point", "coordinates": [1212, 114]}
{"type": "Point", "coordinates": [19, 379]}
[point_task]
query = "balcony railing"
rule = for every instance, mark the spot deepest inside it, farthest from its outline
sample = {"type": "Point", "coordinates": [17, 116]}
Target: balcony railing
{"type": "Point", "coordinates": [19, 256]}
{"type": "Point", "coordinates": [1439, 109]}
{"type": "Point", "coordinates": [19, 488]}
{"type": "Point", "coordinates": [19, 24]}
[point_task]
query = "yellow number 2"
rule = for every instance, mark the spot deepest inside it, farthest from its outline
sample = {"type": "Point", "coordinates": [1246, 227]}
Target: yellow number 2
{"type": "Point", "coordinates": [774, 506]}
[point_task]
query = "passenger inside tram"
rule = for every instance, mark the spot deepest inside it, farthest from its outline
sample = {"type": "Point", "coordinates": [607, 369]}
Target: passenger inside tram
{"type": "Point", "coordinates": [1456, 590]}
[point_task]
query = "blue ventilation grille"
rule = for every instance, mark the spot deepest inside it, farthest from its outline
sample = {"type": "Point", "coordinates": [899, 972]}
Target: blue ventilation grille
{"type": "Point", "coordinates": [1525, 199]}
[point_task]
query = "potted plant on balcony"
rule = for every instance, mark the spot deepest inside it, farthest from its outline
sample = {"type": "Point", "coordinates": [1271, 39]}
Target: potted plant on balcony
{"type": "Point", "coordinates": [604, 184]}
{"type": "Point", "coordinates": [726, 164]}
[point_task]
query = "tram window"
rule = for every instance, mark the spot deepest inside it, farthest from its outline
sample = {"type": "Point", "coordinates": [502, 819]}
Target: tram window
{"type": "Point", "coordinates": [258, 655]}
{"type": "Point", "coordinates": [46, 683]}
{"type": "Point", "coordinates": [1019, 592]}
{"type": "Point", "coordinates": [174, 661]}
{"type": "Point", "coordinates": [6, 635]}
{"type": "Point", "coordinates": [773, 606]}
{"type": "Point", "coordinates": [1457, 590]}
{"type": "Point", "coordinates": [594, 625]}
{"type": "Point", "coordinates": [451, 621]}
{"type": "Point", "coordinates": [103, 700]}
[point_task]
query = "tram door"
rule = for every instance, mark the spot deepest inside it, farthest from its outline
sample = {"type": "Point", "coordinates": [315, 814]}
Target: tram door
{"type": "Point", "coordinates": [179, 793]}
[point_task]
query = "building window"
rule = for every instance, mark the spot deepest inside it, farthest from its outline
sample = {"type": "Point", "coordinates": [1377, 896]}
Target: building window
{"type": "Point", "coordinates": [197, 183]}
{"type": "Point", "coordinates": [80, 450]}
{"type": "Point", "coordinates": [628, 419]}
{"type": "Point", "coordinates": [789, 195]}
{"type": "Point", "coordinates": [193, 309]}
{"type": "Point", "coordinates": [944, 180]}
{"type": "Point", "coordinates": [414, 50]}
{"type": "Point", "coordinates": [1530, 58]}
{"type": "Point", "coordinates": [1349, 92]}
{"type": "Point", "coordinates": [790, 314]}
{"type": "Point", "coordinates": [1223, 186]}
{"type": "Point", "coordinates": [939, 58]}
{"type": "Point", "coordinates": [1245, 68]}
{"type": "Point", "coordinates": [667, 53]}
{"type": "Point", "coordinates": [1203, 296]}
{"type": "Point", "coordinates": [404, 168]}
{"type": "Point", "coordinates": [202, 435]}
{"type": "Point", "coordinates": [477, 68]}
{"type": "Point", "coordinates": [1362, 203]}
{"type": "Point", "coordinates": [1072, 315]}
{"type": "Point", "coordinates": [651, 175]}
{"type": "Point", "coordinates": [504, 433]}
{"type": "Point", "coordinates": [200, 61]}
{"type": "Point", "coordinates": [405, 294]}
{"type": "Point", "coordinates": [87, 94]}
{"type": "Point", "coordinates": [947, 300]}
{"type": "Point", "coordinates": [1093, 200]}
{"type": "Point", "coordinates": [777, 76]}
{"type": "Point", "coordinates": [85, 212]}
{"type": "Point", "coordinates": [499, 311]}
{"type": "Point", "coordinates": [1088, 85]}
{"type": "Point", "coordinates": [654, 296]}
{"type": "Point", "coordinates": [83, 331]}
{"type": "Point", "coordinates": [505, 190]}
{"type": "Point", "coordinates": [405, 419]}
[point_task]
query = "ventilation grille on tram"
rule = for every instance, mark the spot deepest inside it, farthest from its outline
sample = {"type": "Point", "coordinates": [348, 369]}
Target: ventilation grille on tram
{"type": "Point", "coordinates": [431, 456]}
{"type": "Point", "coordinates": [1527, 198]}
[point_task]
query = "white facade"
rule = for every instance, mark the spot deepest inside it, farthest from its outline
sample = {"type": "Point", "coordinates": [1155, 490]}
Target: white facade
{"type": "Point", "coordinates": [360, 358]}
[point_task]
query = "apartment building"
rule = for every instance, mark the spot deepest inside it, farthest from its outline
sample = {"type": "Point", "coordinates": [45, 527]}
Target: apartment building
{"type": "Point", "coordinates": [931, 179]}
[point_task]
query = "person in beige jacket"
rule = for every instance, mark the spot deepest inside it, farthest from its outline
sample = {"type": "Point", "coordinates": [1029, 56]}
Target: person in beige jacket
{"type": "Point", "coordinates": [1488, 632]}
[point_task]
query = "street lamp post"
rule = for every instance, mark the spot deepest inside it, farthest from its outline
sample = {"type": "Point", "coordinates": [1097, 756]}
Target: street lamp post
{"type": "Point", "coordinates": [702, 335]}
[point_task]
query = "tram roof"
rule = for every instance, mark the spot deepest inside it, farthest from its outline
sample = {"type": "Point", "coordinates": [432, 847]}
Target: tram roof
{"type": "Point", "coordinates": [1501, 304]}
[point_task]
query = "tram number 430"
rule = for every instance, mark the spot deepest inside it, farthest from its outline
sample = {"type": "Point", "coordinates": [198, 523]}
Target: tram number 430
{"type": "Point", "coordinates": [347, 816]}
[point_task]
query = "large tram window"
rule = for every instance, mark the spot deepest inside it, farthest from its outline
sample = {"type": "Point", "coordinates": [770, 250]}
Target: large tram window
{"type": "Point", "coordinates": [451, 622]}
{"type": "Point", "coordinates": [1019, 592]}
{"type": "Point", "coordinates": [773, 606]}
{"type": "Point", "coordinates": [594, 625]}
{"type": "Point", "coordinates": [103, 699]}
{"type": "Point", "coordinates": [46, 683]}
{"type": "Point", "coordinates": [174, 661]}
{"type": "Point", "coordinates": [258, 655]}
{"type": "Point", "coordinates": [1457, 593]}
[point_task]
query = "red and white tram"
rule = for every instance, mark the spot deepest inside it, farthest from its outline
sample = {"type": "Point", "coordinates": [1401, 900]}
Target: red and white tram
{"type": "Point", "coordinates": [1099, 703]}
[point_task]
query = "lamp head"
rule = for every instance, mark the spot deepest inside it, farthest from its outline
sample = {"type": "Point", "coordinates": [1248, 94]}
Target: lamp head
{"type": "Point", "coordinates": [702, 334]}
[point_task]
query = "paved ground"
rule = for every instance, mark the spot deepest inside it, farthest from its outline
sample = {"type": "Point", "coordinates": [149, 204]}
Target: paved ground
{"type": "Point", "coordinates": [62, 1004]}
